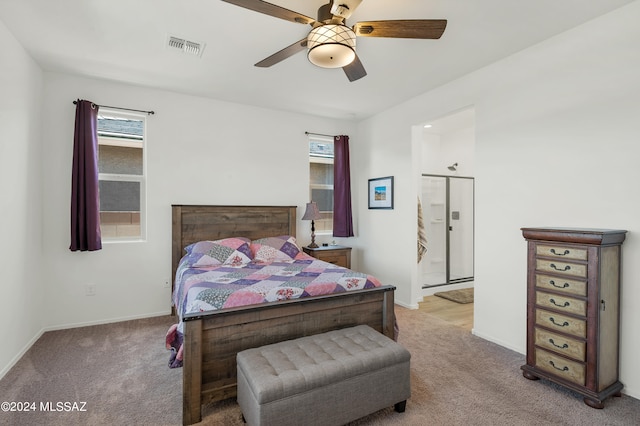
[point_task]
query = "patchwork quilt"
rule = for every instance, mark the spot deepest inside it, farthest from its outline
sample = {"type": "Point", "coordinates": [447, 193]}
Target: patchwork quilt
{"type": "Point", "coordinates": [225, 286]}
{"type": "Point", "coordinates": [238, 272]}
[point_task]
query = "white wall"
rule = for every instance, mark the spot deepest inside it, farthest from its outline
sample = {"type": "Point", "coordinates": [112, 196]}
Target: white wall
{"type": "Point", "coordinates": [384, 149]}
{"type": "Point", "coordinates": [200, 151]}
{"type": "Point", "coordinates": [433, 157]}
{"type": "Point", "coordinates": [454, 143]}
{"type": "Point", "coordinates": [20, 200]}
{"type": "Point", "coordinates": [556, 145]}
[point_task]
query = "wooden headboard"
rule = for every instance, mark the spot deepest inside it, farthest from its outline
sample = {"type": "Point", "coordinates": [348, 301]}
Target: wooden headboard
{"type": "Point", "coordinates": [197, 223]}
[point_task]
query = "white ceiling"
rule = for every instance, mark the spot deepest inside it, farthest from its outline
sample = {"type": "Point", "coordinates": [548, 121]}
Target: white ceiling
{"type": "Point", "coordinates": [459, 120]}
{"type": "Point", "coordinates": [125, 41]}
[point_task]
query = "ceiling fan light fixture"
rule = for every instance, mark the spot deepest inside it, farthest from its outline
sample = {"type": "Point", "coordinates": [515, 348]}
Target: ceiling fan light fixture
{"type": "Point", "coordinates": [331, 46]}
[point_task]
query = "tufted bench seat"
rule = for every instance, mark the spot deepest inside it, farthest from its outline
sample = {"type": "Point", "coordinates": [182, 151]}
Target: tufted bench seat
{"type": "Point", "coordinates": [325, 379]}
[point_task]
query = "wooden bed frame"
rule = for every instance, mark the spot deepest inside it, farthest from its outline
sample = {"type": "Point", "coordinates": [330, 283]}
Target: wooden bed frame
{"type": "Point", "coordinates": [212, 339]}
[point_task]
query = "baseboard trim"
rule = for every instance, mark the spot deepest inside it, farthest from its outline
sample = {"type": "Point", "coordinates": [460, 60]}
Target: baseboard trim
{"type": "Point", "coordinates": [631, 392]}
{"type": "Point", "coordinates": [21, 353]}
{"type": "Point", "coordinates": [404, 305]}
{"type": "Point", "coordinates": [497, 341]}
{"type": "Point", "coordinates": [429, 291]}
{"type": "Point", "coordinates": [107, 321]}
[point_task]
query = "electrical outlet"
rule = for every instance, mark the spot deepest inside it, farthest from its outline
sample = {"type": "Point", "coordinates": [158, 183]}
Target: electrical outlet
{"type": "Point", "coordinates": [90, 290]}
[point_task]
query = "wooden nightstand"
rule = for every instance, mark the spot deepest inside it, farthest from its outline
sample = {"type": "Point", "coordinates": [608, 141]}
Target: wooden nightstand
{"type": "Point", "coordinates": [338, 255]}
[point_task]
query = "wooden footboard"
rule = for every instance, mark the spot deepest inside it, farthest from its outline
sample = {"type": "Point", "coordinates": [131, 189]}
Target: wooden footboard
{"type": "Point", "coordinates": [212, 340]}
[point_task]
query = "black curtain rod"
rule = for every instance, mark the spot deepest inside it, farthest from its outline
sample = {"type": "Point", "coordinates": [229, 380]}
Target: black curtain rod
{"type": "Point", "coordinates": [124, 109]}
{"type": "Point", "coordinates": [319, 134]}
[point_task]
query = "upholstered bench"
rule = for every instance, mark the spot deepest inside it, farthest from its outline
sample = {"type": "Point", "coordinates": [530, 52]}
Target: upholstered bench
{"type": "Point", "coordinates": [325, 379]}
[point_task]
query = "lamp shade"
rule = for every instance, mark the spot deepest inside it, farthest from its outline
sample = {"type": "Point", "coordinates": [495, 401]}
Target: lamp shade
{"type": "Point", "coordinates": [331, 46]}
{"type": "Point", "coordinates": [312, 212]}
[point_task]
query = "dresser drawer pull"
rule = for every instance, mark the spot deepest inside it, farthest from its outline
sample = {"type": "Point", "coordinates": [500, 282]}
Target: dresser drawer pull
{"type": "Point", "coordinates": [566, 268]}
{"type": "Point", "coordinates": [564, 324]}
{"type": "Point", "coordinates": [565, 368]}
{"type": "Point", "coordinates": [553, 283]}
{"type": "Point", "coordinates": [565, 346]}
{"type": "Point", "coordinates": [561, 306]}
{"type": "Point", "coordinates": [566, 252]}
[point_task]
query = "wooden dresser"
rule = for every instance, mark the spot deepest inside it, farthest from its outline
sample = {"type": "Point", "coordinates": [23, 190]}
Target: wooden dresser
{"type": "Point", "coordinates": [573, 298]}
{"type": "Point", "coordinates": [338, 255]}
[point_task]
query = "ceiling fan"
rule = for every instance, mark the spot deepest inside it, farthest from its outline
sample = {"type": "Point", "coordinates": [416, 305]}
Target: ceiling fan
{"type": "Point", "coordinates": [332, 44]}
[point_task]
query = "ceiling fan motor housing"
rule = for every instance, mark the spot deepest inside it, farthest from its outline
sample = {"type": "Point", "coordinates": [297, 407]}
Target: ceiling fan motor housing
{"type": "Point", "coordinates": [344, 8]}
{"type": "Point", "coordinates": [324, 13]}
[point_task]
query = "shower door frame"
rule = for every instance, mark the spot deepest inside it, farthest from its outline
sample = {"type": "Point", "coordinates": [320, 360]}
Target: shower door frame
{"type": "Point", "coordinates": [448, 228]}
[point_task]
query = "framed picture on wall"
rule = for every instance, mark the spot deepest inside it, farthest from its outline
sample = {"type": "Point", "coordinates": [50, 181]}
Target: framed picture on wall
{"type": "Point", "coordinates": [381, 193]}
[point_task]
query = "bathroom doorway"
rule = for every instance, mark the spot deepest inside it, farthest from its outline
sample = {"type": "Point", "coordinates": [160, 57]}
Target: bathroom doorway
{"type": "Point", "coordinates": [448, 217]}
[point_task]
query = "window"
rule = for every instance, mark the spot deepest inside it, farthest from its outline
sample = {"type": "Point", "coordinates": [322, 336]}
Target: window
{"type": "Point", "coordinates": [121, 166]}
{"type": "Point", "coordinates": [321, 180]}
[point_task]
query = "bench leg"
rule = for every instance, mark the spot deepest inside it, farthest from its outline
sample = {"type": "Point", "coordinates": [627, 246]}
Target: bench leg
{"type": "Point", "coordinates": [400, 406]}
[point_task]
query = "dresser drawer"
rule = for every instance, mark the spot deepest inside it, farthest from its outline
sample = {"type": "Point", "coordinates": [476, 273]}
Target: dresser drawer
{"type": "Point", "coordinates": [559, 322]}
{"type": "Point", "coordinates": [570, 253]}
{"type": "Point", "coordinates": [567, 346]}
{"type": "Point", "coordinates": [565, 285]}
{"type": "Point", "coordinates": [562, 304]}
{"type": "Point", "coordinates": [569, 370]}
{"type": "Point", "coordinates": [560, 267]}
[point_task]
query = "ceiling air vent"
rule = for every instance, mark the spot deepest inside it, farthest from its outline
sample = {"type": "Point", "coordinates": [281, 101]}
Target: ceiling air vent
{"type": "Point", "coordinates": [185, 46]}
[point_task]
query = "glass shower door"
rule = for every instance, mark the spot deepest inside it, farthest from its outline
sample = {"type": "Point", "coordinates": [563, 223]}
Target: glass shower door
{"type": "Point", "coordinates": [447, 205]}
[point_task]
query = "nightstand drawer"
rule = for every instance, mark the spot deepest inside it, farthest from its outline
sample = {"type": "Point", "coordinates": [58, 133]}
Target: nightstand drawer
{"type": "Point", "coordinates": [336, 259]}
{"type": "Point", "coordinates": [337, 255]}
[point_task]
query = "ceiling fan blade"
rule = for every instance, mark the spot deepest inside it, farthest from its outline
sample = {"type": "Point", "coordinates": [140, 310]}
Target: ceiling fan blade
{"type": "Point", "coordinates": [355, 70]}
{"type": "Point", "coordinates": [272, 10]}
{"type": "Point", "coordinates": [405, 28]}
{"type": "Point", "coordinates": [283, 54]}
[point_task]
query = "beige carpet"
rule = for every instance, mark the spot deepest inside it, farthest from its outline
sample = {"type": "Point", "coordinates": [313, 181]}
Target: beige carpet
{"type": "Point", "coordinates": [464, 295]}
{"type": "Point", "coordinates": [120, 371]}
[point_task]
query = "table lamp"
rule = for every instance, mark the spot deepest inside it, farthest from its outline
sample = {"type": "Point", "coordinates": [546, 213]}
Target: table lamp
{"type": "Point", "coordinates": [312, 213]}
